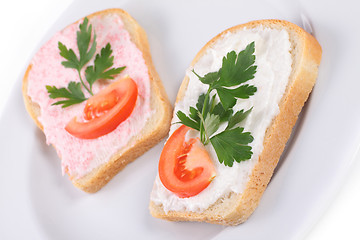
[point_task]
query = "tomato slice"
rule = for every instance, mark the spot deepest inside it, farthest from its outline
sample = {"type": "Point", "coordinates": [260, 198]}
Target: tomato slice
{"type": "Point", "coordinates": [185, 167]}
{"type": "Point", "coordinates": [105, 110]}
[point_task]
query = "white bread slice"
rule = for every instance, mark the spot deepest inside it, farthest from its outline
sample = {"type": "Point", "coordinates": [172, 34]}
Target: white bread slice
{"type": "Point", "coordinates": [236, 208]}
{"type": "Point", "coordinates": [155, 129]}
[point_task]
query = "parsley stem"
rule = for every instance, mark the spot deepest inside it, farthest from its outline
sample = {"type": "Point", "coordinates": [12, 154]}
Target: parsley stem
{"type": "Point", "coordinates": [203, 137]}
{"type": "Point", "coordinates": [82, 82]}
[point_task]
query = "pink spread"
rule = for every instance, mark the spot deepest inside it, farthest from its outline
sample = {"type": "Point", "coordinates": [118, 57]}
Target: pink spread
{"type": "Point", "coordinates": [80, 156]}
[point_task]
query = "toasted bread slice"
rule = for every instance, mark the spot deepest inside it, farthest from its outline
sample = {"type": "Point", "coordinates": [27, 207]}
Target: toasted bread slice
{"type": "Point", "coordinates": [235, 208]}
{"type": "Point", "coordinates": [155, 129]}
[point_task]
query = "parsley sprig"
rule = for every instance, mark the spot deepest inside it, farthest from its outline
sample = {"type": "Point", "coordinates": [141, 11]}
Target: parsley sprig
{"type": "Point", "coordinates": [228, 85]}
{"type": "Point", "coordinates": [101, 69]}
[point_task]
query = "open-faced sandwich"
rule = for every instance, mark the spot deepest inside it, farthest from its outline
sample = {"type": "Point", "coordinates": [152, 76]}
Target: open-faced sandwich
{"type": "Point", "coordinates": [234, 113]}
{"type": "Point", "coordinates": [94, 92]}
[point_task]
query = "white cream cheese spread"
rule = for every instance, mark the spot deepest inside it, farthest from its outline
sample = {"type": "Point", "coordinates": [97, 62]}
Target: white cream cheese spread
{"type": "Point", "coordinates": [273, 60]}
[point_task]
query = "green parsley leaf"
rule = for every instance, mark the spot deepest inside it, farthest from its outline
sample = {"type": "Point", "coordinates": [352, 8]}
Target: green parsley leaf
{"type": "Point", "coordinates": [229, 82]}
{"type": "Point", "coordinates": [209, 78]}
{"type": "Point", "coordinates": [70, 56]}
{"type": "Point", "coordinates": [187, 121]}
{"type": "Point", "coordinates": [238, 117]}
{"type": "Point", "coordinates": [244, 91]}
{"type": "Point", "coordinates": [100, 70]}
{"type": "Point", "coordinates": [228, 72]}
{"type": "Point", "coordinates": [72, 93]}
{"type": "Point", "coordinates": [102, 62]}
{"type": "Point", "coordinates": [220, 111]}
{"type": "Point", "coordinates": [193, 120]}
{"type": "Point", "coordinates": [237, 69]}
{"type": "Point", "coordinates": [83, 42]}
{"type": "Point", "coordinates": [211, 125]}
{"type": "Point", "coordinates": [200, 102]}
{"type": "Point", "coordinates": [226, 98]}
{"type": "Point", "coordinates": [232, 145]}
{"type": "Point", "coordinates": [194, 114]}
{"type": "Point", "coordinates": [212, 104]}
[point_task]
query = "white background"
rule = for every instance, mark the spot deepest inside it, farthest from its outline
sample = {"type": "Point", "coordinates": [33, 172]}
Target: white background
{"type": "Point", "coordinates": [23, 25]}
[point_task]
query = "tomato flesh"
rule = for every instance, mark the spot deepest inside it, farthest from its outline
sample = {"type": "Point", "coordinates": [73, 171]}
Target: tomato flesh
{"type": "Point", "coordinates": [105, 110]}
{"type": "Point", "coordinates": [185, 167]}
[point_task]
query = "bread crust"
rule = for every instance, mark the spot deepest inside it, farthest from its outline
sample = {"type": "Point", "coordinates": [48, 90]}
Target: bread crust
{"type": "Point", "coordinates": [155, 129]}
{"type": "Point", "coordinates": [236, 208]}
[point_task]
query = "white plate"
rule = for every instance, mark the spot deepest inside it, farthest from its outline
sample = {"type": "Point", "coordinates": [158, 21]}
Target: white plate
{"type": "Point", "coordinates": [37, 202]}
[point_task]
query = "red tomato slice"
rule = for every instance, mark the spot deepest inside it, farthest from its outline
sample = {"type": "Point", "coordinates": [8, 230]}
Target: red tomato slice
{"type": "Point", "coordinates": [185, 168]}
{"type": "Point", "coordinates": [105, 110]}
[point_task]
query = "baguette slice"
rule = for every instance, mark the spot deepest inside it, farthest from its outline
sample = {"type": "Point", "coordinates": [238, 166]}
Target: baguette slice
{"type": "Point", "coordinates": [236, 208]}
{"type": "Point", "coordinates": [155, 129]}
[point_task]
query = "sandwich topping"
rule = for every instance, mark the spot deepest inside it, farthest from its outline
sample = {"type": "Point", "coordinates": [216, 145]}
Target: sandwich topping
{"type": "Point", "coordinates": [108, 108]}
{"type": "Point", "coordinates": [211, 113]}
{"type": "Point", "coordinates": [238, 114]}
{"type": "Point", "coordinates": [104, 111]}
{"type": "Point", "coordinates": [91, 105]}
{"type": "Point", "coordinates": [185, 167]}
